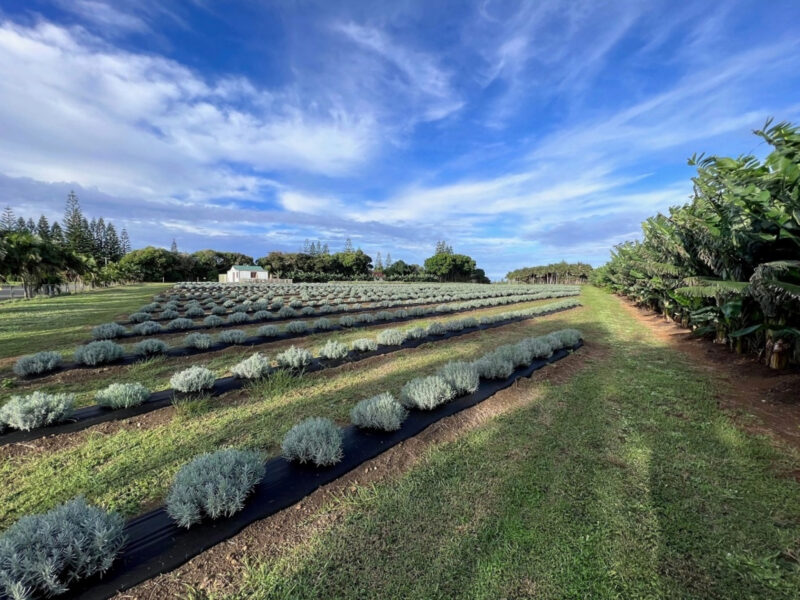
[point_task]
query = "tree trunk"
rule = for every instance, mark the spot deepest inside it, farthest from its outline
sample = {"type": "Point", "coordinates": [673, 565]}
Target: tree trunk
{"type": "Point", "coordinates": [778, 354]}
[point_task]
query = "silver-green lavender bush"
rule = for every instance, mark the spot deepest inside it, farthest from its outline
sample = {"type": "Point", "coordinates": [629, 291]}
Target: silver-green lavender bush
{"type": "Point", "coordinates": [122, 395]}
{"type": "Point", "coordinates": [42, 555]}
{"type": "Point", "coordinates": [426, 393]}
{"type": "Point", "coordinates": [214, 484]}
{"type": "Point", "coordinates": [36, 364]}
{"type": "Point", "coordinates": [37, 409]}
{"type": "Point", "coordinates": [199, 341]}
{"type": "Point", "coordinates": [316, 440]}
{"type": "Point", "coordinates": [151, 347]}
{"type": "Point", "coordinates": [98, 353]}
{"type": "Point", "coordinates": [294, 358]}
{"type": "Point", "coordinates": [108, 331]}
{"type": "Point", "coordinates": [192, 380]}
{"type": "Point", "coordinates": [463, 377]}
{"type": "Point", "coordinates": [382, 412]}
{"type": "Point", "coordinates": [252, 367]}
{"type": "Point", "coordinates": [333, 350]}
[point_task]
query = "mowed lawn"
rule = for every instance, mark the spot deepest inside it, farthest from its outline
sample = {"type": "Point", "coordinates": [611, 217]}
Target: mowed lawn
{"type": "Point", "coordinates": [624, 482]}
{"type": "Point", "coordinates": [62, 322]}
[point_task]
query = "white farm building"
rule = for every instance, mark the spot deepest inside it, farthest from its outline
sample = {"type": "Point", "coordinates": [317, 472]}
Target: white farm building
{"type": "Point", "coordinates": [243, 274]}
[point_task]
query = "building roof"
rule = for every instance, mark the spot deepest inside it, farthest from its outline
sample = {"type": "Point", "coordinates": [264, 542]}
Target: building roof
{"type": "Point", "coordinates": [246, 268]}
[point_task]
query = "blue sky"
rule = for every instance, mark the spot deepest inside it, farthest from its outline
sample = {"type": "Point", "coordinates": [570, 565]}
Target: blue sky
{"type": "Point", "coordinates": [521, 132]}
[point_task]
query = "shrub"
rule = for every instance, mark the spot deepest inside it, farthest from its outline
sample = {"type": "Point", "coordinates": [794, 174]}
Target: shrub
{"type": "Point", "coordinates": [391, 337]}
{"type": "Point", "coordinates": [241, 308]}
{"type": "Point", "coordinates": [36, 410]}
{"type": "Point", "coordinates": [380, 412]}
{"type": "Point", "coordinates": [35, 364]}
{"type": "Point", "coordinates": [296, 327]}
{"type": "Point", "coordinates": [194, 311]}
{"type": "Point", "coordinates": [41, 555]}
{"type": "Point", "coordinates": [286, 313]}
{"type": "Point", "coordinates": [193, 379]}
{"type": "Point", "coordinates": [232, 336]}
{"type": "Point", "coordinates": [463, 377]}
{"type": "Point", "coordinates": [213, 321]}
{"type": "Point", "coordinates": [565, 338]}
{"type": "Point", "coordinates": [151, 347]}
{"type": "Point", "coordinates": [538, 347]}
{"type": "Point", "coordinates": [219, 310]}
{"type": "Point", "coordinates": [426, 393]}
{"type": "Point", "coordinates": [384, 315]}
{"type": "Point", "coordinates": [436, 328]}
{"type": "Point", "coordinates": [364, 345]}
{"type": "Point", "coordinates": [201, 341]}
{"type": "Point", "coordinates": [400, 314]}
{"type": "Point", "coordinates": [454, 325]}
{"type": "Point", "coordinates": [333, 350]}
{"type": "Point", "coordinates": [294, 358]}
{"type": "Point", "coordinates": [237, 317]}
{"type": "Point", "coordinates": [215, 484]}
{"type": "Point", "coordinates": [122, 395]}
{"type": "Point", "coordinates": [365, 318]}
{"type": "Point", "coordinates": [108, 331]}
{"type": "Point", "coordinates": [147, 328]}
{"type": "Point", "coordinates": [296, 303]}
{"type": "Point", "coordinates": [516, 353]}
{"type": "Point", "coordinates": [322, 324]}
{"type": "Point", "coordinates": [268, 331]}
{"type": "Point", "coordinates": [253, 367]}
{"type": "Point", "coordinates": [169, 314]}
{"type": "Point", "coordinates": [317, 440]}
{"type": "Point", "coordinates": [326, 308]}
{"type": "Point", "coordinates": [307, 310]}
{"type": "Point", "coordinates": [139, 317]}
{"type": "Point", "coordinates": [262, 315]}
{"type": "Point", "coordinates": [346, 321]}
{"type": "Point", "coordinates": [98, 353]}
{"type": "Point", "coordinates": [494, 366]}
{"type": "Point", "coordinates": [180, 324]}
{"type": "Point", "coordinates": [152, 307]}
{"type": "Point", "coordinates": [416, 333]}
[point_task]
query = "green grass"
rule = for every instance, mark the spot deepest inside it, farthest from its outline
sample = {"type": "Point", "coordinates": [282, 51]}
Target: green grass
{"type": "Point", "coordinates": [61, 322]}
{"type": "Point", "coordinates": [625, 482]}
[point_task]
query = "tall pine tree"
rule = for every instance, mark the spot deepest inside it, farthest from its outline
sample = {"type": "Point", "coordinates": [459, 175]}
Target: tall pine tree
{"type": "Point", "coordinates": [124, 242]}
{"type": "Point", "coordinates": [74, 225]}
{"type": "Point", "coordinates": [112, 244]}
{"type": "Point", "coordinates": [43, 228]}
{"type": "Point", "coordinates": [57, 234]}
{"type": "Point", "coordinates": [8, 222]}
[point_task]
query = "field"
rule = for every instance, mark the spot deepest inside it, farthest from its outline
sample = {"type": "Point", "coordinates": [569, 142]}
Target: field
{"type": "Point", "coordinates": [609, 473]}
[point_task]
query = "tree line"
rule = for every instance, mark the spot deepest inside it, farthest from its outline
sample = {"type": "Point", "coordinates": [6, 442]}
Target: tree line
{"type": "Point", "coordinates": [37, 253]}
{"type": "Point", "coordinates": [90, 251]}
{"type": "Point", "coordinates": [727, 263]}
{"type": "Point", "coordinates": [560, 272]}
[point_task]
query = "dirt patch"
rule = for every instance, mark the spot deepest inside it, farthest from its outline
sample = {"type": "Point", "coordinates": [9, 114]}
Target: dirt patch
{"type": "Point", "coordinates": [748, 386]}
{"type": "Point", "coordinates": [219, 568]}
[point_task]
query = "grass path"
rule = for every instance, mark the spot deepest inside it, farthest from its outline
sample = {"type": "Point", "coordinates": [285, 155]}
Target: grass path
{"type": "Point", "coordinates": [624, 482]}
{"type": "Point", "coordinates": [61, 322]}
